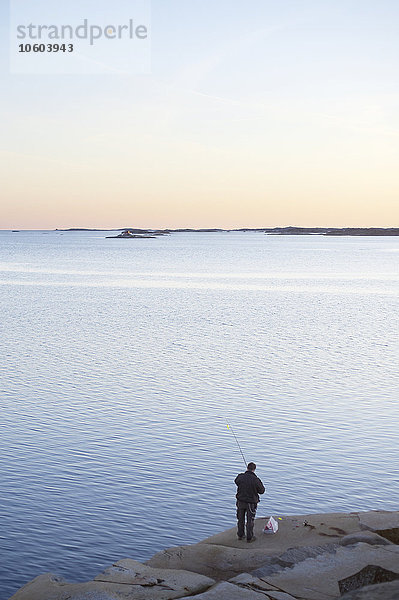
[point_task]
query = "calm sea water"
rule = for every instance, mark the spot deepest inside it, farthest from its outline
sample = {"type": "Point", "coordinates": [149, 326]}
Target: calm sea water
{"type": "Point", "coordinates": [122, 360]}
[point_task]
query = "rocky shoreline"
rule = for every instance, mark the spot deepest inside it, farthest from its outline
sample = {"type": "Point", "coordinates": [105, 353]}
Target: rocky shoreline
{"type": "Point", "coordinates": [353, 556]}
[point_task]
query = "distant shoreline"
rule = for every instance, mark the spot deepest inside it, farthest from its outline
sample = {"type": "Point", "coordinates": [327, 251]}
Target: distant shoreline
{"type": "Point", "coordinates": [291, 230]}
{"type": "Point", "coordinates": [329, 231]}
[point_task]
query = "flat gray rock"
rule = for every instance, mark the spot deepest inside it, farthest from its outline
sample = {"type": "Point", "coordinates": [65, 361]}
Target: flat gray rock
{"type": "Point", "coordinates": [228, 591]}
{"type": "Point", "coordinates": [222, 556]}
{"type": "Point", "coordinates": [218, 562]}
{"type": "Point", "coordinates": [379, 519]}
{"type": "Point", "coordinates": [126, 579]}
{"type": "Point", "coordinates": [281, 596]}
{"type": "Point", "coordinates": [319, 530]}
{"type": "Point", "coordinates": [385, 523]}
{"type": "Point", "coordinates": [291, 557]}
{"type": "Point", "coordinates": [368, 537]}
{"type": "Point", "coordinates": [248, 580]}
{"type": "Point", "coordinates": [317, 578]}
{"type": "Point", "coordinates": [92, 595]}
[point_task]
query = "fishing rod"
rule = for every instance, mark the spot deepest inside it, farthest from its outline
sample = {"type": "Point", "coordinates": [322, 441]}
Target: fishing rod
{"type": "Point", "coordinates": [237, 442]}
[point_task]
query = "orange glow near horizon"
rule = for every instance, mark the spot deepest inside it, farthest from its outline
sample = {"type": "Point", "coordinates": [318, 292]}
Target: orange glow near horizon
{"type": "Point", "coordinates": [284, 116]}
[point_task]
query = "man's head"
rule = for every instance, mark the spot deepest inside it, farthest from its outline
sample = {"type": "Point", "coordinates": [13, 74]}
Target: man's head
{"type": "Point", "coordinates": [251, 466]}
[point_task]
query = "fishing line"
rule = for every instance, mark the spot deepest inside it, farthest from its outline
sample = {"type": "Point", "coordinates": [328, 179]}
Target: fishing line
{"type": "Point", "coordinates": [237, 442]}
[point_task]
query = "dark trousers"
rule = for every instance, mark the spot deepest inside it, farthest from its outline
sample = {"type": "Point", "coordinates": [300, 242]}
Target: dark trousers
{"type": "Point", "coordinates": [248, 510]}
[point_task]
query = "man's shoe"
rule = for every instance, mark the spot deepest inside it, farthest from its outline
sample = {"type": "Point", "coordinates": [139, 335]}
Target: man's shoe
{"type": "Point", "coordinates": [240, 537]}
{"type": "Point", "coordinates": [252, 539]}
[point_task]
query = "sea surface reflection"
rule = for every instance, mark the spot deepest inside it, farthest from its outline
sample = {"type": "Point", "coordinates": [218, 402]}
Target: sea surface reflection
{"type": "Point", "coordinates": [122, 361]}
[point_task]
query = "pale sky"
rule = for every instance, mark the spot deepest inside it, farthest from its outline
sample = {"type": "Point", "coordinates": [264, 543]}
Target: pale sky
{"type": "Point", "coordinates": [255, 114]}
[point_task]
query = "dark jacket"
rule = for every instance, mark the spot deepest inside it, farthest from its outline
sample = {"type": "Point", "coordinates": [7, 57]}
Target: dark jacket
{"type": "Point", "coordinates": [249, 487]}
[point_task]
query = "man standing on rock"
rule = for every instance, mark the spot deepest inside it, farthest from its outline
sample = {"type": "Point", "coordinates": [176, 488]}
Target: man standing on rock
{"type": "Point", "coordinates": [249, 487]}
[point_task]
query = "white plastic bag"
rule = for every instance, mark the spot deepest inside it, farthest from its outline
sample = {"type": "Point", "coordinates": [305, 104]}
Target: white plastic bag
{"type": "Point", "coordinates": [271, 526]}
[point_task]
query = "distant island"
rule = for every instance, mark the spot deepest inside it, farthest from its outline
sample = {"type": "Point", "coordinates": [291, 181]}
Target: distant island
{"type": "Point", "coordinates": [133, 233]}
{"type": "Point", "coordinates": [81, 229]}
{"type": "Point", "coordinates": [368, 231]}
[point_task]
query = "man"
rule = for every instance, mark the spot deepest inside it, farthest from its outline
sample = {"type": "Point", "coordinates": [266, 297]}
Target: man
{"type": "Point", "coordinates": [249, 487]}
